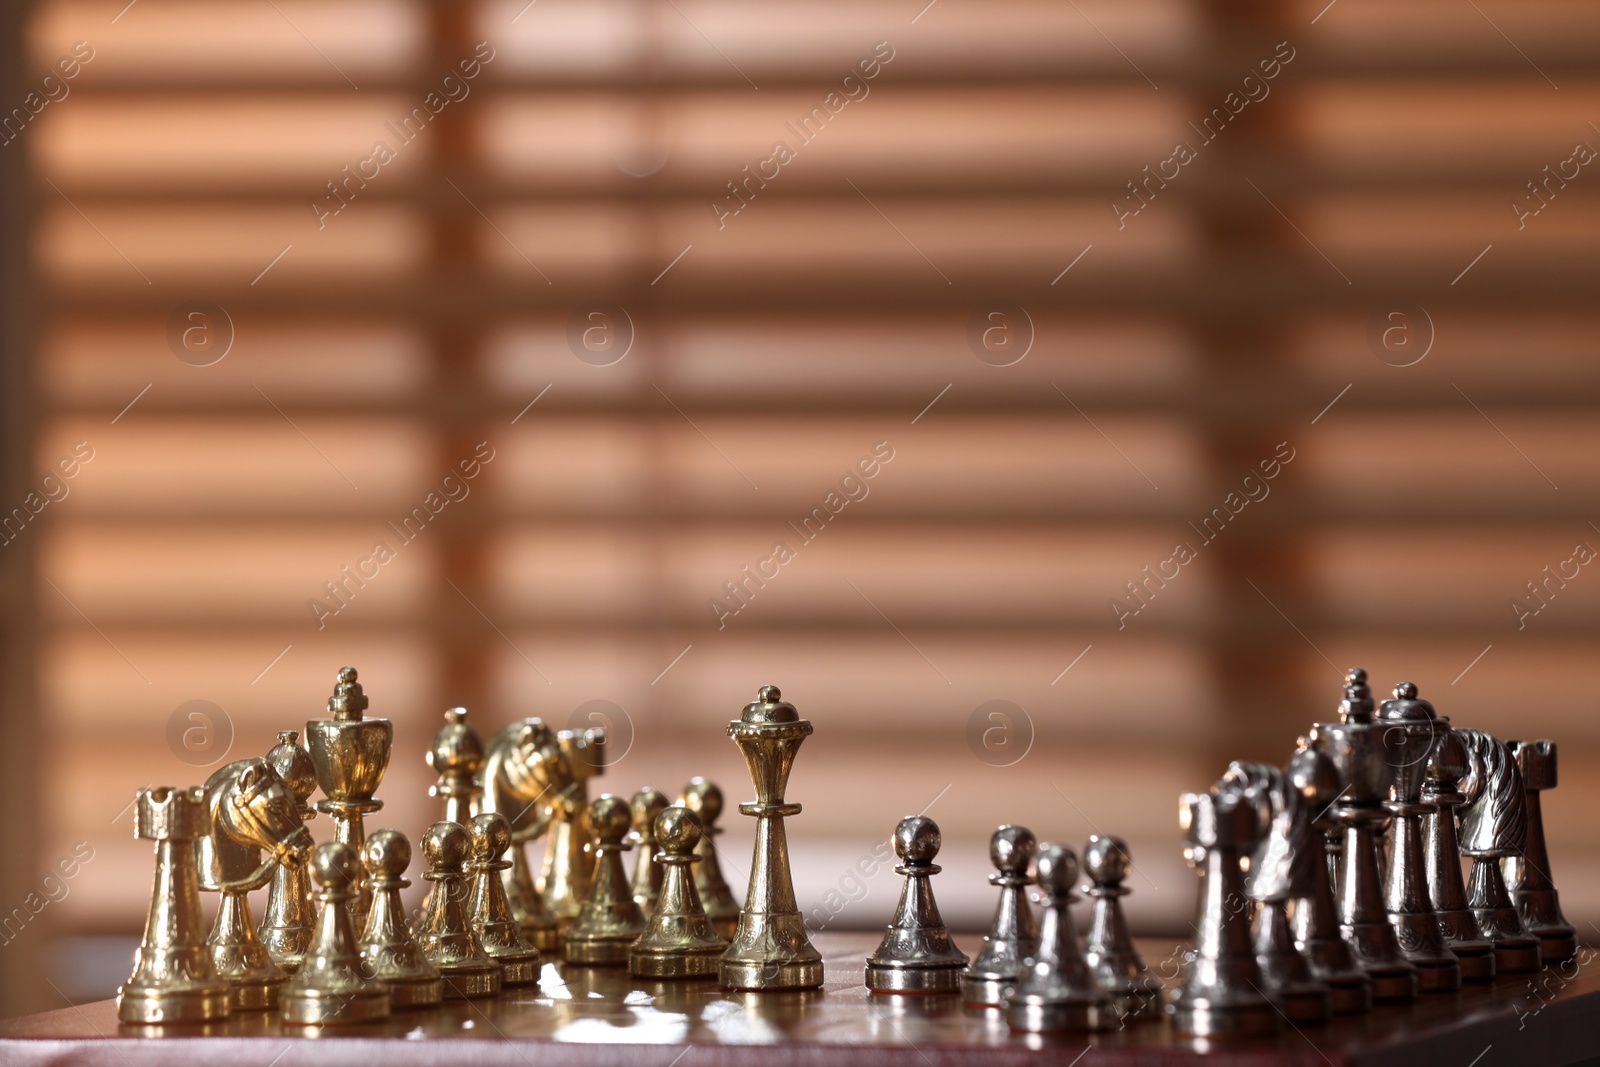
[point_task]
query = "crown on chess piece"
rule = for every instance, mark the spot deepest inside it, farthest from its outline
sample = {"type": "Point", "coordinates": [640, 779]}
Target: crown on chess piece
{"type": "Point", "coordinates": [1447, 765]}
{"type": "Point", "coordinates": [1221, 991]}
{"type": "Point", "coordinates": [387, 948]}
{"type": "Point", "coordinates": [770, 949]}
{"type": "Point", "coordinates": [1316, 916]}
{"type": "Point", "coordinates": [351, 753]}
{"type": "Point", "coordinates": [1529, 872]}
{"type": "Point", "coordinates": [445, 931]}
{"type": "Point", "coordinates": [331, 986]}
{"type": "Point", "coordinates": [527, 778]}
{"type": "Point", "coordinates": [1014, 934]}
{"type": "Point", "coordinates": [172, 980]}
{"type": "Point", "coordinates": [702, 797]}
{"type": "Point", "coordinates": [1056, 993]}
{"type": "Point", "coordinates": [916, 954]}
{"type": "Point", "coordinates": [457, 757]}
{"type": "Point", "coordinates": [488, 910]}
{"type": "Point", "coordinates": [569, 858]}
{"type": "Point", "coordinates": [286, 926]}
{"type": "Point", "coordinates": [610, 921]}
{"type": "Point", "coordinates": [679, 939]}
{"type": "Point", "coordinates": [1113, 961]}
{"type": "Point", "coordinates": [250, 811]}
{"type": "Point", "coordinates": [647, 803]}
{"type": "Point", "coordinates": [1494, 827]}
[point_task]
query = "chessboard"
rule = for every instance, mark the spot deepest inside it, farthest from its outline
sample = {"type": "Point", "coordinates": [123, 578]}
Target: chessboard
{"type": "Point", "coordinates": [601, 1017]}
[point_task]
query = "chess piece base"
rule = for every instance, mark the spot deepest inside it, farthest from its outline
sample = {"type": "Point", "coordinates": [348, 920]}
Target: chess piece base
{"type": "Point", "coordinates": [1201, 1019]}
{"type": "Point", "coordinates": [1438, 976]}
{"type": "Point", "coordinates": [1349, 994]}
{"type": "Point", "coordinates": [256, 993]}
{"type": "Point", "coordinates": [770, 974]}
{"type": "Point", "coordinates": [1393, 985]}
{"type": "Point", "coordinates": [157, 1007]}
{"type": "Point", "coordinates": [472, 982]}
{"type": "Point", "coordinates": [1556, 945]}
{"type": "Point", "coordinates": [1517, 957]}
{"type": "Point", "coordinates": [980, 992]}
{"type": "Point", "coordinates": [519, 969]}
{"type": "Point", "coordinates": [414, 992]}
{"type": "Point", "coordinates": [682, 963]}
{"type": "Point", "coordinates": [1025, 1016]}
{"type": "Point", "coordinates": [885, 979]}
{"type": "Point", "coordinates": [544, 937]}
{"type": "Point", "coordinates": [311, 1007]}
{"type": "Point", "coordinates": [598, 952]}
{"type": "Point", "coordinates": [1306, 1003]}
{"type": "Point", "coordinates": [1477, 965]}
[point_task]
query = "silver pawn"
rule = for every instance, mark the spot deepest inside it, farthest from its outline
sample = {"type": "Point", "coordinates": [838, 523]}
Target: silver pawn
{"type": "Point", "coordinates": [1312, 910]}
{"type": "Point", "coordinates": [1529, 872]}
{"type": "Point", "coordinates": [1108, 947]}
{"type": "Point", "coordinates": [1055, 992]}
{"type": "Point", "coordinates": [1494, 826]}
{"type": "Point", "coordinates": [1446, 767]}
{"type": "Point", "coordinates": [1221, 991]}
{"type": "Point", "coordinates": [1014, 934]}
{"type": "Point", "coordinates": [916, 954]}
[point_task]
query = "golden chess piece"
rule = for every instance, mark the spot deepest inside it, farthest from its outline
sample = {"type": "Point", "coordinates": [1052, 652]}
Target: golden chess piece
{"type": "Point", "coordinates": [488, 911]}
{"type": "Point", "coordinates": [334, 985]}
{"type": "Point", "coordinates": [445, 931]}
{"type": "Point", "coordinates": [647, 803]}
{"type": "Point", "coordinates": [770, 949]}
{"type": "Point", "coordinates": [610, 921]}
{"type": "Point", "coordinates": [387, 947]}
{"type": "Point", "coordinates": [286, 926]}
{"type": "Point", "coordinates": [250, 810]}
{"type": "Point", "coordinates": [457, 756]}
{"type": "Point", "coordinates": [569, 858]}
{"type": "Point", "coordinates": [702, 797]}
{"type": "Point", "coordinates": [527, 778]}
{"type": "Point", "coordinates": [172, 980]}
{"type": "Point", "coordinates": [679, 940]}
{"type": "Point", "coordinates": [351, 753]}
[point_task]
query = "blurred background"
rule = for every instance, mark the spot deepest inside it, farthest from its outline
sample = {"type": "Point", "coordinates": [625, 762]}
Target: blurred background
{"type": "Point", "coordinates": [1034, 294]}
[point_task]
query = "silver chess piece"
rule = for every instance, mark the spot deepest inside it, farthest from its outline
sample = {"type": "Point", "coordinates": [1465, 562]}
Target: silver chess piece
{"type": "Point", "coordinates": [1446, 767]}
{"type": "Point", "coordinates": [1281, 863]}
{"type": "Point", "coordinates": [1221, 991]}
{"type": "Point", "coordinates": [333, 984]}
{"type": "Point", "coordinates": [916, 954]}
{"type": "Point", "coordinates": [1355, 745]}
{"type": "Point", "coordinates": [1494, 826]}
{"type": "Point", "coordinates": [1529, 873]}
{"type": "Point", "coordinates": [1314, 914]}
{"type": "Point", "coordinates": [1412, 732]}
{"type": "Point", "coordinates": [1055, 992]}
{"type": "Point", "coordinates": [286, 926]}
{"type": "Point", "coordinates": [1014, 934]}
{"type": "Point", "coordinates": [1108, 947]}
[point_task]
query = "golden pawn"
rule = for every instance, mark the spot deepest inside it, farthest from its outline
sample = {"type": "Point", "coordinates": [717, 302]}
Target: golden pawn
{"type": "Point", "coordinates": [445, 931]}
{"type": "Point", "coordinates": [387, 947]}
{"type": "Point", "coordinates": [330, 987]}
{"type": "Point", "coordinates": [610, 921]}
{"type": "Point", "coordinates": [489, 911]}
{"type": "Point", "coordinates": [702, 797]}
{"type": "Point", "coordinates": [679, 940]}
{"type": "Point", "coordinates": [172, 980]}
{"type": "Point", "coordinates": [647, 804]}
{"type": "Point", "coordinates": [457, 756]}
{"type": "Point", "coordinates": [286, 926]}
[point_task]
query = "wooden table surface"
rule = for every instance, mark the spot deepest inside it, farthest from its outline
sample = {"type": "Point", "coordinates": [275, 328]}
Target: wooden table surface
{"type": "Point", "coordinates": [601, 1017]}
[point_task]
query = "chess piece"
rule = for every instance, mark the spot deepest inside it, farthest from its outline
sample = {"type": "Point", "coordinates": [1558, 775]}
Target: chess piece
{"type": "Point", "coordinates": [1013, 935]}
{"type": "Point", "coordinates": [445, 931]}
{"type": "Point", "coordinates": [647, 874]}
{"type": "Point", "coordinates": [387, 947]}
{"type": "Point", "coordinates": [1055, 992]}
{"type": "Point", "coordinates": [527, 778]}
{"type": "Point", "coordinates": [702, 797]}
{"type": "Point", "coordinates": [457, 757]}
{"type": "Point", "coordinates": [1221, 992]}
{"type": "Point", "coordinates": [351, 753]}
{"type": "Point", "coordinates": [916, 954]}
{"type": "Point", "coordinates": [286, 926]}
{"type": "Point", "coordinates": [1108, 947]}
{"type": "Point", "coordinates": [1494, 826]}
{"type": "Point", "coordinates": [250, 810]}
{"type": "Point", "coordinates": [1446, 767]}
{"type": "Point", "coordinates": [569, 858]}
{"type": "Point", "coordinates": [1280, 863]}
{"type": "Point", "coordinates": [1529, 872]}
{"type": "Point", "coordinates": [770, 949]}
{"type": "Point", "coordinates": [1412, 731]}
{"type": "Point", "coordinates": [1314, 915]}
{"type": "Point", "coordinates": [610, 921]}
{"type": "Point", "coordinates": [1355, 745]}
{"type": "Point", "coordinates": [172, 979]}
{"type": "Point", "coordinates": [334, 985]}
{"type": "Point", "coordinates": [679, 939]}
{"type": "Point", "coordinates": [490, 914]}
